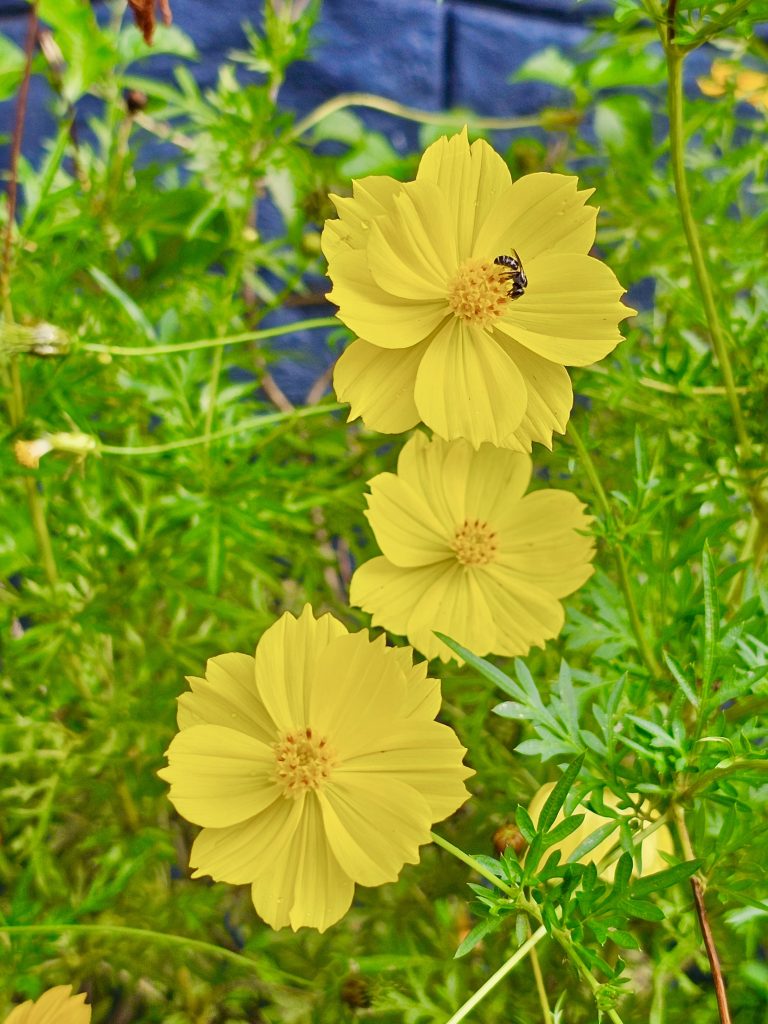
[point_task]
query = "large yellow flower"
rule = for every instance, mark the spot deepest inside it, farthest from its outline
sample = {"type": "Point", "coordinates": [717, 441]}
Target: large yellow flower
{"type": "Point", "coordinates": [466, 554]}
{"type": "Point", "coordinates": [56, 1006]}
{"type": "Point", "coordinates": [449, 336]}
{"type": "Point", "coordinates": [312, 766]}
{"type": "Point", "coordinates": [652, 847]}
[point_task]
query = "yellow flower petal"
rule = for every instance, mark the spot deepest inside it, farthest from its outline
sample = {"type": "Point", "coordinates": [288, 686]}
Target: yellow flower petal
{"type": "Point", "coordinates": [570, 311]}
{"type": "Point", "coordinates": [372, 197]}
{"type": "Point", "coordinates": [412, 253]}
{"type": "Point", "coordinates": [538, 214]}
{"type": "Point", "coordinates": [374, 825]}
{"type": "Point", "coordinates": [378, 316]}
{"type": "Point", "coordinates": [227, 696]}
{"type": "Point", "coordinates": [471, 177]}
{"type": "Point", "coordinates": [239, 853]}
{"type": "Point", "coordinates": [525, 615]}
{"type": "Point", "coordinates": [538, 542]}
{"type": "Point", "coordinates": [550, 397]}
{"type": "Point", "coordinates": [285, 663]}
{"type": "Point", "coordinates": [219, 776]}
{"type": "Point", "coordinates": [406, 529]}
{"type": "Point", "coordinates": [356, 691]}
{"type": "Point", "coordinates": [390, 593]}
{"type": "Point", "coordinates": [651, 848]}
{"type": "Point", "coordinates": [467, 386]}
{"type": "Point", "coordinates": [304, 886]}
{"type": "Point", "coordinates": [425, 755]}
{"type": "Point", "coordinates": [378, 383]}
{"type": "Point", "coordinates": [455, 605]}
{"type": "Point", "coordinates": [56, 1006]}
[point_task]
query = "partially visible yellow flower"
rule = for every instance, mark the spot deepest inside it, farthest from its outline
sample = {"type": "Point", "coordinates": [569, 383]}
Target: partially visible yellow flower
{"type": "Point", "coordinates": [747, 84]}
{"type": "Point", "coordinates": [449, 336]}
{"type": "Point", "coordinates": [467, 554]}
{"type": "Point", "coordinates": [658, 842]}
{"type": "Point", "coordinates": [313, 766]}
{"type": "Point", "coordinates": [56, 1006]}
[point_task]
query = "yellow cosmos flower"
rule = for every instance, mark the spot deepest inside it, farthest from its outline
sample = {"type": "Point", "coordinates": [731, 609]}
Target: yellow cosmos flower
{"type": "Point", "coordinates": [466, 554]}
{"type": "Point", "coordinates": [56, 1006]}
{"type": "Point", "coordinates": [470, 293]}
{"type": "Point", "coordinates": [658, 842]}
{"type": "Point", "coordinates": [748, 85]}
{"type": "Point", "coordinates": [312, 766]}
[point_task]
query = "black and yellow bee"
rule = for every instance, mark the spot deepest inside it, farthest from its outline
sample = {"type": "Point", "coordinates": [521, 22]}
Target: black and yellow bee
{"type": "Point", "coordinates": [514, 273]}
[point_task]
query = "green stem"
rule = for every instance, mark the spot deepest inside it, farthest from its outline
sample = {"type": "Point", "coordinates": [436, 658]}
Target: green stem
{"type": "Point", "coordinates": [643, 645]}
{"type": "Point", "coordinates": [374, 102]}
{"type": "Point", "coordinates": [498, 976]}
{"type": "Point", "coordinates": [192, 346]}
{"type": "Point", "coordinates": [675, 58]}
{"type": "Point", "coordinates": [145, 934]}
{"type": "Point", "coordinates": [189, 442]}
{"type": "Point", "coordinates": [471, 862]}
{"type": "Point", "coordinates": [546, 1013]}
{"type": "Point", "coordinates": [677, 156]}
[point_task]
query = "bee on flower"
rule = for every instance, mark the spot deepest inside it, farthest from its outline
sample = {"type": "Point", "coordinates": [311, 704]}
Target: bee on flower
{"type": "Point", "coordinates": [469, 293]}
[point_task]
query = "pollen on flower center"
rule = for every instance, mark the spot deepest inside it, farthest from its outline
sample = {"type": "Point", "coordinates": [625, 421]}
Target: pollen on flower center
{"type": "Point", "coordinates": [478, 292]}
{"type": "Point", "coordinates": [474, 543]}
{"type": "Point", "coordinates": [303, 761]}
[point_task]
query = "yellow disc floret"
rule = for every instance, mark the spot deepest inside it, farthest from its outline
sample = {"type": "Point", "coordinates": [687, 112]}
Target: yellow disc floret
{"type": "Point", "coordinates": [303, 761]}
{"type": "Point", "coordinates": [477, 293]}
{"type": "Point", "coordinates": [474, 543]}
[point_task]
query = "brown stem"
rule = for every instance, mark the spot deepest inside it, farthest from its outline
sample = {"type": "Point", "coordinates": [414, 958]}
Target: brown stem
{"type": "Point", "coordinates": [671, 14]}
{"type": "Point", "coordinates": [709, 944]}
{"type": "Point", "coordinates": [13, 184]}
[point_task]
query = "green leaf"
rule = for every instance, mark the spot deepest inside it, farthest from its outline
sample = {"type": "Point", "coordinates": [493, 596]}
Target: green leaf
{"type": "Point", "coordinates": [547, 66]}
{"type": "Point", "coordinates": [556, 798]}
{"type": "Point", "coordinates": [12, 63]}
{"type": "Point", "coordinates": [680, 679]}
{"type": "Point", "coordinates": [664, 879]}
{"type": "Point", "coordinates": [623, 872]}
{"type": "Point", "coordinates": [564, 829]}
{"type": "Point", "coordinates": [88, 51]}
{"type": "Point", "coordinates": [478, 933]}
{"type": "Point", "coordinates": [593, 840]}
{"type": "Point", "coordinates": [618, 67]}
{"type": "Point", "coordinates": [711, 615]}
{"type": "Point", "coordinates": [525, 824]}
{"type": "Point", "coordinates": [623, 123]}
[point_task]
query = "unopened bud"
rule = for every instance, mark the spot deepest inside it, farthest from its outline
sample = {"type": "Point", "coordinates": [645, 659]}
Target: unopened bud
{"type": "Point", "coordinates": [507, 836]}
{"type": "Point", "coordinates": [555, 120]}
{"type": "Point", "coordinates": [29, 453]}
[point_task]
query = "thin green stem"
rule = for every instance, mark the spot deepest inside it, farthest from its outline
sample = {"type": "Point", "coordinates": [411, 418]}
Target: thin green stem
{"type": "Point", "coordinates": [546, 1013]}
{"type": "Point", "coordinates": [256, 423]}
{"type": "Point", "coordinates": [471, 862]}
{"type": "Point", "coordinates": [643, 645]}
{"type": "Point", "coordinates": [498, 976]}
{"type": "Point", "coordinates": [203, 343]}
{"type": "Point", "coordinates": [123, 931]}
{"type": "Point", "coordinates": [374, 102]}
{"type": "Point", "coordinates": [677, 156]}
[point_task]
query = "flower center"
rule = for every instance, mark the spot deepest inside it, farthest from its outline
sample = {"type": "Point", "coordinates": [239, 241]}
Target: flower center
{"type": "Point", "coordinates": [474, 543]}
{"type": "Point", "coordinates": [303, 762]}
{"type": "Point", "coordinates": [479, 292]}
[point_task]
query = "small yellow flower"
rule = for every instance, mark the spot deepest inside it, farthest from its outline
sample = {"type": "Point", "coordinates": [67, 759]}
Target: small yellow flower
{"type": "Point", "coordinates": [658, 842]}
{"type": "Point", "coordinates": [465, 553]}
{"type": "Point", "coordinates": [313, 766]}
{"type": "Point", "coordinates": [747, 84]}
{"type": "Point", "coordinates": [56, 1006]}
{"type": "Point", "coordinates": [447, 334]}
